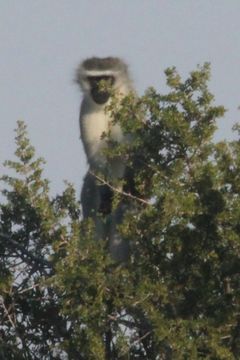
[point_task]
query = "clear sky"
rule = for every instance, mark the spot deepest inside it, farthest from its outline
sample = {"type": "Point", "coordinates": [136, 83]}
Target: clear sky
{"type": "Point", "coordinates": [42, 42]}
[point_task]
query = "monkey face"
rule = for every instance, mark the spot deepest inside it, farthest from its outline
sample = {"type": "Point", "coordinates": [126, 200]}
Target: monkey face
{"type": "Point", "coordinates": [100, 95]}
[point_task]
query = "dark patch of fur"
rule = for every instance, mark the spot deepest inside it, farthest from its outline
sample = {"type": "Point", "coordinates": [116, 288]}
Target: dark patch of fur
{"type": "Point", "coordinates": [108, 63]}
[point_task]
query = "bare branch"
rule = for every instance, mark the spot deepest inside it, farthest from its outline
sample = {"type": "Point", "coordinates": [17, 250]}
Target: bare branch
{"type": "Point", "coordinates": [34, 286]}
{"type": "Point", "coordinates": [7, 313]}
{"type": "Point", "coordinates": [124, 193]}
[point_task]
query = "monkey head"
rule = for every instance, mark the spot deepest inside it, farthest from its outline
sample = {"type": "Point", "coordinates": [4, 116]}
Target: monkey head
{"type": "Point", "coordinates": [97, 76]}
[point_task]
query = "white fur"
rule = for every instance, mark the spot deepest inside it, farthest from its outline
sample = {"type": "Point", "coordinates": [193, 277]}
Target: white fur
{"type": "Point", "coordinates": [95, 121]}
{"type": "Point", "coordinates": [93, 125]}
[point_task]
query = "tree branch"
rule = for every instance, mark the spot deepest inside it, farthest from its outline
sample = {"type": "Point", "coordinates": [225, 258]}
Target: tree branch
{"type": "Point", "coordinates": [104, 182]}
{"type": "Point", "coordinates": [20, 247]}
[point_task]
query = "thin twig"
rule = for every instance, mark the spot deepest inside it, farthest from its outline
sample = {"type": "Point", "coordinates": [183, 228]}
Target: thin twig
{"type": "Point", "coordinates": [142, 300]}
{"type": "Point", "coordinates": [138, 341]}
{"type": "Point", "coordinates": [104, 182]}
{"type": "Point", "coordinates": [141, 338]}
{"type": "Point", "coordinates": [34, 286]}
{"type": "Point", "coordinates": [7, 312]}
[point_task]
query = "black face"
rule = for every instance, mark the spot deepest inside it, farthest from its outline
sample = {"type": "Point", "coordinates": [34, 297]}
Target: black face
{"type": "Point", "coordinates": [98, 95]}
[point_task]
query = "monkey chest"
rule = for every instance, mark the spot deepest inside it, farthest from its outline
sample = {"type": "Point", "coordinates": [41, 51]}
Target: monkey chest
{"type": "Point", "coordinates": [93, 128]}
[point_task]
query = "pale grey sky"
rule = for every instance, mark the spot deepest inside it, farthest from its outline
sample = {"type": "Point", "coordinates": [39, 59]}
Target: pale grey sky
{"type": "Point", "coordinates": [42, 42]}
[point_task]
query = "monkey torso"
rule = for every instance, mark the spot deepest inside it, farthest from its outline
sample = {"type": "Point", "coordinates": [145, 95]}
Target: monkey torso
{"type": "Point", "coordinates": [94, 123]}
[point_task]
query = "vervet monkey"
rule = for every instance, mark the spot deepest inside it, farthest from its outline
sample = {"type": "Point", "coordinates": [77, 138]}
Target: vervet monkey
{"type": "Point", "coordinates": [95, 121]}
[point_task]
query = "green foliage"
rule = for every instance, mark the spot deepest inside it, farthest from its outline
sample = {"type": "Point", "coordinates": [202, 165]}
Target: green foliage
{"type": "Point", "coordinates": [63, 297]}
{"type": "Point", "coordinates": [31, 225]}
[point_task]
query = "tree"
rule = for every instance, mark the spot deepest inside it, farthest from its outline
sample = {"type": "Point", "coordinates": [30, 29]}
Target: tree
{"type": "Point", "coordinates": [63, 297]}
